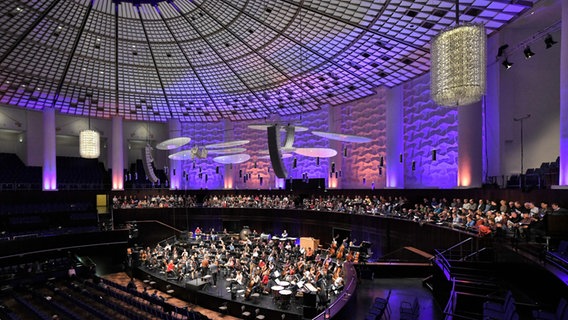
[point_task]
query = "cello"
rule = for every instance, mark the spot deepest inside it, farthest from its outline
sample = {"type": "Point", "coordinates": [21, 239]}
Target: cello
{"type": "Point", "coordinates": [333, 246]}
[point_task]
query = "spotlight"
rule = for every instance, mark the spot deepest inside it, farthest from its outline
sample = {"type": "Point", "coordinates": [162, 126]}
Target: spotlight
{"type": "Point", "coordinates": [549, 42]}
{"type": "Point", "coordinates": [507, 64]}
{"type": "Point", "coordinates": [501, 50]}
{"type": "Point", "coordinates": [528, 52]}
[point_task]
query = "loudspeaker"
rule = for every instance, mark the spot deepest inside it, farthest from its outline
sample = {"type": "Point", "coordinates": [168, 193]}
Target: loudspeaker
{"type": "Point", "coordinates": [434, 155]}
{"type": "Point", "coordinates": [309, 300]}
{"type": "Point", "coordinates": [148, 162]}
{"type": "Point", "coordinates": [413, 165]}
{"type": "Point", "coordinates": [310, 312]}
{"type": "Point", "coordinates": [273, 133]}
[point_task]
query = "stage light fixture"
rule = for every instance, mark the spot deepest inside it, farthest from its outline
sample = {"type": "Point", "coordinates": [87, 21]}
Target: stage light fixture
{"type": "Point", "coordinates": [528, 52]}
{"type": "Point", "coordinates": [501, 50]}
{"type": "Point", "coordinates": [507, 64]}
{"type": "Point", "coordinates": [549, 42]}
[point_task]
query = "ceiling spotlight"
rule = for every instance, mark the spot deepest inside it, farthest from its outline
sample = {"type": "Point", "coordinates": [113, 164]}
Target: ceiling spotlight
{"type": "Point", "coordinates": [502, 50]}
{"type": "Point", "coordinates": [507, 64]}
{"type": "Point", "coordinates": [549, 42]}
{"type": "Point", "coordinates": [528, 52]}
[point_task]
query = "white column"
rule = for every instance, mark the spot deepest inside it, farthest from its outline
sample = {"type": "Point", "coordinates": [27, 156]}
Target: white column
{"type": "Point", "coordinates": [492, 114]}
{"type": "Point", "coordinates": [469, 146]}
{"type": "Point", "coordinates": [49, 151]}
{"type": "Point", "coordinates": [395, 138]}
{"type": "Point", "coordinates": [117, 156]}
{"type": "Point", "coordinates": [564, 97]}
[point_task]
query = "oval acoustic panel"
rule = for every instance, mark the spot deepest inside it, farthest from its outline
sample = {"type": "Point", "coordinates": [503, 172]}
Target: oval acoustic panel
{"type": "Point", "coordinates": [227, 144]}
{"type": "Point", "coordinates": [342, 137]}
{"type": "Point", "coordinates": [182, 155]}
{"type": "Point", "coordinates": [173, 143]}
{"type": "Point", "coordinates": [232, 158]}
{"type": "Point", "coordinates": [316, 152]}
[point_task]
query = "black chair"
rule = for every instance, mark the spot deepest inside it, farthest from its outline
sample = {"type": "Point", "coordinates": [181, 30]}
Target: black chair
{"type": "Point", "coordinates": [561, 312]}
{"type": "Point", "coordinates": [245, 313]}
{"type": "Point", "coordinates": [410, 310]}
{"type": "Point", "coordinates": [223, 309]}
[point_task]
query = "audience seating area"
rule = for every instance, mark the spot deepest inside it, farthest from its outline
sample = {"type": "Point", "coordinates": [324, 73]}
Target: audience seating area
{"type": "Point", "coordinates": [536, 178]}
{"type": "Point", "coordinates": [16, 175]}
{"type": "Point", "coordinates": [46, 219]}
{"type": "Point", "coordinates": [73, 173]}
{"type": "Point", "coordinates": [69, 296]}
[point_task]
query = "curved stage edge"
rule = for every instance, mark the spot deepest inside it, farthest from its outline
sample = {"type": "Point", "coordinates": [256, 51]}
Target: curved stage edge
{"type": "Point", "coordinates": [207, 296]}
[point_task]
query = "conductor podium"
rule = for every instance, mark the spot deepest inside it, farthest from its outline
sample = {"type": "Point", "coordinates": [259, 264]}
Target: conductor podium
{"type": "Point", "coordinates": [309, 242]}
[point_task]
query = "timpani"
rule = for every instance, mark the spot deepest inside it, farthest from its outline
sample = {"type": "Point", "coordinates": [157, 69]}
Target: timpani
{"type": "Point", "coordinates": [286, 297]}
{"type": "Point", "coordinates": [276, 291]}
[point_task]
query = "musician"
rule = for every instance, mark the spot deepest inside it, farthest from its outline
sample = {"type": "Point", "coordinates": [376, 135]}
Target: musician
{"type": "Point", "coordinates": [214, 270]}
{"type": "Point", "coordinates": [170, 266]}
{"type": "Point", "coordinates": [198, 233]}
{"type": "Point", "coordinates": [284, 234]}
{"type": "Point", "coordinates": [204, 266]}
{"type": "Point", "coordinates": [239, 278]}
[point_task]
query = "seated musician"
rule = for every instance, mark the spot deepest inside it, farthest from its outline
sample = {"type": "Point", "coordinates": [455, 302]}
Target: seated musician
{"type": "Point", "coordinates": [239, 278]}
{"type": "Point", "coordinates": [197, 233]}
{"type": "Point", "coordinates": [264, 282]}
{"type": "Point", "coordinates": [337, 285]}
{"type": "Point", "coordinates": [170, 266]}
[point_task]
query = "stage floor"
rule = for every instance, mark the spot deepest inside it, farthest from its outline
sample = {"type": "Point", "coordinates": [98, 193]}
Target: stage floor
{"type": "Point", "coordinates": [197, 290]}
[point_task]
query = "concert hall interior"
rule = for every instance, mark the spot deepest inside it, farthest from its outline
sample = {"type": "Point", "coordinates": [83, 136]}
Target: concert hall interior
{"type": "Point", "coordinates": [283, 160]}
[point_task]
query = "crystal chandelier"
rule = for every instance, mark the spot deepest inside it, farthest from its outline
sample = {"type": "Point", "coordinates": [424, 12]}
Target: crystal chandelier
{"type": "Point", "coordinates": [458, 65]}
{"type": "Point", "coordinates": [89, 144]}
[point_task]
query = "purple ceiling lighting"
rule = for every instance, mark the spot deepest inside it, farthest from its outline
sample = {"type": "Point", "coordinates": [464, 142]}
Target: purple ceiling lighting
{"type": "Point", "coordinates": [204, 61]}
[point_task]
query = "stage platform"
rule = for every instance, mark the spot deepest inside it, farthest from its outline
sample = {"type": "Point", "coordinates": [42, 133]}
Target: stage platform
{"type": "Point", "coordinates": [202, 292]}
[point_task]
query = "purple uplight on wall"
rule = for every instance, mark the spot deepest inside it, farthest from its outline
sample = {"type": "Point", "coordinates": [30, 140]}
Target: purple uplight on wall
{"type": "Point", "coordinates": [49, 149]}
{"type": "Point", "coordinates": [428, 127]}
{"type": "Point", "coordinates": [202, 173]}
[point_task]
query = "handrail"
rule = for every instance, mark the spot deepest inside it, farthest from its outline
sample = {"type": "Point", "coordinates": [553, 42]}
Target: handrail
{"type": "Point", "coordinates": [343, 297]}
{"type": "Point", "coordinates": [157, 221]}
{"type": "Point", "coordinates": [452, 247]}
{"type": "Point", "coordinates": [473, 254]}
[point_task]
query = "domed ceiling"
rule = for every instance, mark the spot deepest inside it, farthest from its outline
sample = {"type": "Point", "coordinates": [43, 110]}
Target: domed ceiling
{"type": "Point", "coordinates": [207, 60]}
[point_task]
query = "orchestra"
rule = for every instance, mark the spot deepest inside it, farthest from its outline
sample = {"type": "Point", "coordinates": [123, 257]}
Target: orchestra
{"type": "Point", "coordinates": [252, 265]}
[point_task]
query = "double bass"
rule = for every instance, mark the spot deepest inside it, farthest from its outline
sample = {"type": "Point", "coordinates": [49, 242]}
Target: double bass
{"type": "Point", "coordinates": [341, 250]}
